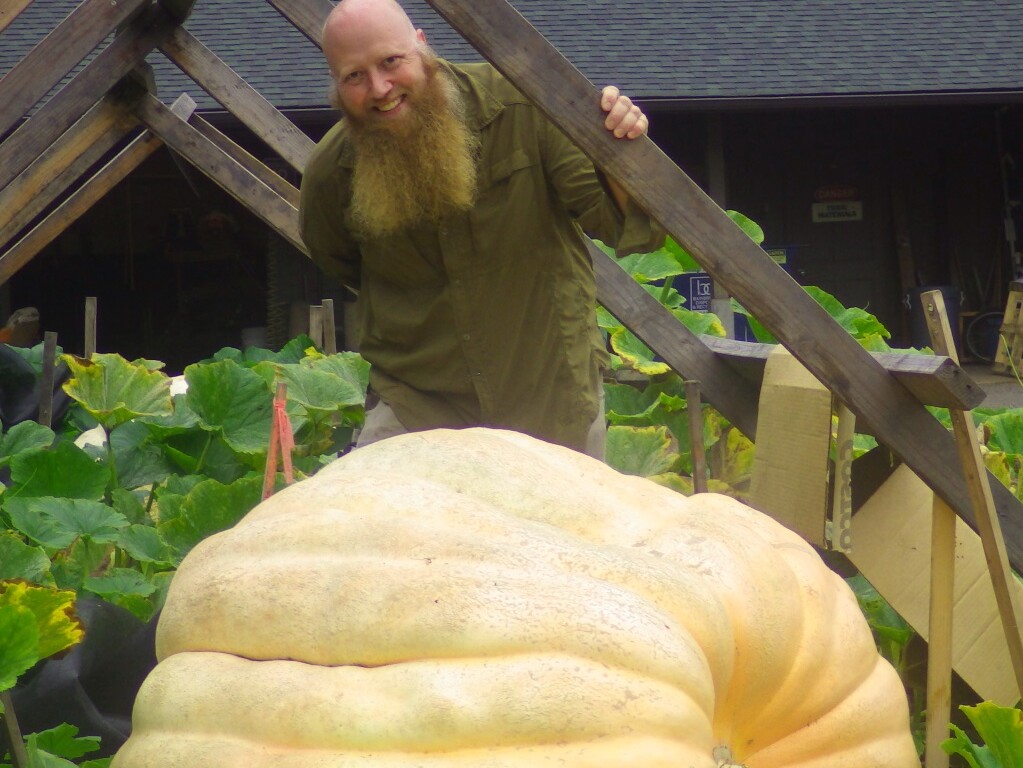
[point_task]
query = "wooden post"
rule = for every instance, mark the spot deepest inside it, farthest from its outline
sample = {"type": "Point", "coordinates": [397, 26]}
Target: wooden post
{"type": "Point", "coordinates": [329, 331]}
{"type": "Point", "coordinates": [46, 379]}
{"type": "Point", "coordinates": [13, 732]}
{"type": "Point", "coordinates": [316, 324]}
{"type": "Point", "coordinates": [980, 494]}
{"type": "Point", "coordinates": [699, 461]}
{"type": "Point", "coordinates": [841, 482]}
{"type": "Point", "coordinates": [90, 328]}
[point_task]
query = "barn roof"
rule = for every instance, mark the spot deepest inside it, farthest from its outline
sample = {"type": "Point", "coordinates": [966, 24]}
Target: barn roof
{"type": "Point", "coordinates": [697, 51]}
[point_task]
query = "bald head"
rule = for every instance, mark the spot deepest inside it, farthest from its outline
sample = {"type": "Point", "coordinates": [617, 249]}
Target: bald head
{"type": "Point", "coordinates": [354, 24]}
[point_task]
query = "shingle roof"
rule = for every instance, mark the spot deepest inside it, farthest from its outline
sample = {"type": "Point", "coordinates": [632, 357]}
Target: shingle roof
{"type": "Point", "coordinates": [654, 49]}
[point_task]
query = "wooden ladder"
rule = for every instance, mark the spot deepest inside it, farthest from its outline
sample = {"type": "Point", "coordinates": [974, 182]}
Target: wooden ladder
{"type": "Point", "coordinates": [1010, 337]}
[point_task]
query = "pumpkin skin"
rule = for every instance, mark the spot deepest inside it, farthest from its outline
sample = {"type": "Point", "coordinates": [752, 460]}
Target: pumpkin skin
{"type": "Point", "coordinates": [480, 598]}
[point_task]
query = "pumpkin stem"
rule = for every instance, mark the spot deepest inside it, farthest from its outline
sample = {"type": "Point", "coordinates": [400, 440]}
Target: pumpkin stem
{"type": "Point", "coordinates": [723, 758]}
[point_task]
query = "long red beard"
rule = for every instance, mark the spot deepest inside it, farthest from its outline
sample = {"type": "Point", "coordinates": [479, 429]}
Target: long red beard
{"type": "Point", "coordinates": [418, 170]}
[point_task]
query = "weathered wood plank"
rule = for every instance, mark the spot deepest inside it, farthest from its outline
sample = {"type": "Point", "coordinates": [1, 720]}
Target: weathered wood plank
{"type": "Point", "coordinates": [115, 61]}
{"type": "Point", "coordinates": [109, 176]}
{"type": "Point", "coordinates": [77, 150]}
{"type": "Point", "coordinates": [9, 11]}
{"type": "Point", "coordinates": [307, 15]}
{"type": "Point", "coordinates": [222, 169]}
{"type": "Point", "coordinates": [58, 53]}
{"type": "Point", "coordinates": [933, 379]}
{"type": "Point", "coordinates": [238, 97]}
{"type": "Point", "coordinates": [677, 345]}
{"type": "Point", "coordinates": [251, 163]}
{"type": "Point", "coordinates": [900, 421]}
{"type": "Point", "coordinates": [179, 9]}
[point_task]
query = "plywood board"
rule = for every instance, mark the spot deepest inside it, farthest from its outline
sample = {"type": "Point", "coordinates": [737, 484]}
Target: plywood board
{"type": "Point", "coordinates": [892, 543]}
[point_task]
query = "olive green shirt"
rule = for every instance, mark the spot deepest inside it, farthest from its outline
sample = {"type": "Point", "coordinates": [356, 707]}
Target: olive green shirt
{"type": "Point", "coordinates": [489, 318]}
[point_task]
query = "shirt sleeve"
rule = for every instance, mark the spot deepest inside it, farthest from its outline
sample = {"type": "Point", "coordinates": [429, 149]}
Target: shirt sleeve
{"type": "Point", "coordinates": [583, 191]}
{"type": "Point", "coordinates": [321, 222]}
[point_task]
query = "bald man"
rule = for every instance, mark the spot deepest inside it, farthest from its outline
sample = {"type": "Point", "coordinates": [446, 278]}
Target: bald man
{"type": "Point", "coordinates": [456, 211]}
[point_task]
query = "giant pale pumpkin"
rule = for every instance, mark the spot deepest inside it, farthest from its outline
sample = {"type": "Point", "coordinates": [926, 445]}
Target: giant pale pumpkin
{"type": "Point", "coordinates": [479, 598]}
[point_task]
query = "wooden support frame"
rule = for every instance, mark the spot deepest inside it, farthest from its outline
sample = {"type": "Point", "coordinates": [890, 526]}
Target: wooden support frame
{"type": "Point", "coordinates": [897, 418]}
{"type": "Point", "coordinates": [79, 148]}
{"type": "Point", "coordinates": [85, 197]}
{"type": "Point", "coordinates": [9, 11]}
{"type": "Point", "coordinates": [238, 97]}
{"type": "Point", "coordinates": [252, 164]}
{"type": "Point", "coordinates": [58, 53]}
{"type": "Point", "coordinates": [124, 53]}
{"type": "Point", "coordinates": [306, 15]}
{"type": "Point", "coordinates": [221, 168]}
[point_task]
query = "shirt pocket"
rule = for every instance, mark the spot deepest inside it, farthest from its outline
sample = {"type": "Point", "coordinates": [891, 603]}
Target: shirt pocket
{"type": "Point", "coordinates": [512, 211]}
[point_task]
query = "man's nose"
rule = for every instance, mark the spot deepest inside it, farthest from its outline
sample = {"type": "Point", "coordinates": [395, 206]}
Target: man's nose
{"type": "Point", "coordinates": [379, 84]}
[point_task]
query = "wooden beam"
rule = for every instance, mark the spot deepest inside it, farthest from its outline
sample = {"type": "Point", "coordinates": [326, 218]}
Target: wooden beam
{"type": "Point", "coordinates": [179, 9]}
{"type": "Point", "coordinates": [63, 163]}
{"type": "Point", "coordinates": [307, 15]}
{"type": "Point", "coordinates": [680, 348]}
{"type": "Point", "coordinates": [58, 53]}
{"type": "Point", "coordinates": [222, 169]}
{"type": "Point", "coordinates": [238, 97]}
{"type": "Point", "coordinates": [933, 379]}
{"type": "Point", "coordinates": [126, 161]}
{"type": "Point", "coordinates": [9, 11]}
{"type": "Point", "coordinates": [900, 421]}
{"type": "Point", "coordinates": [252, 164]}
{"type": "Point", "coordinates": [114, 62]}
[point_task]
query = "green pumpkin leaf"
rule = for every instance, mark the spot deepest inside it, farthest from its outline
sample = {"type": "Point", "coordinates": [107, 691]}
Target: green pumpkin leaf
{"type": "Point", "coordinates": [64, 470]}
{"type": "Point", "coordinates": [648, 267]}
{"type": "Point", "coordinates": [18, 560]}
{"type": "Point", "coordinates": [636, 354]}
{"type": "Point", "coordinates": [64, 741]}
{"type": "Point", "coordinates": [24, 437]}
{"type": "Point", "coordinates": [1006, 432]}
{"type": "Point", "coordinates": [231, 401]}
{"type": "Point", "coordinates": [19, 643]}
{"type": "Point", "coordinates": [320, 390]}
{"type": "Point", "coordinates": [57, 522]}
{"type": "Point", "coordinates": [974, 755]}
{"type": "Point", "coordinates": [1001, 729]}
{"type": "Point", "coordinates": [119, 581]}
{"type": "Point", "coordinates": [643, 451]}
{"type": "Point", "coordinates": [143, 543]}
{"type": "Point", "coordinates": [114, 391]}
{"type": "Point", "coordinates": [51, 609]}
{"type": "Point", "coordinates": [350, 367]}
{"type": "Point", "coordinates": [209, 507]}
{"type": "Point", "coordinates": [138, 456]}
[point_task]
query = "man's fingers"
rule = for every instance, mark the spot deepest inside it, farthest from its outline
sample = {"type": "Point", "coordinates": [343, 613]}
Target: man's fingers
{"type": "Point", "coordinates": [624, 119]}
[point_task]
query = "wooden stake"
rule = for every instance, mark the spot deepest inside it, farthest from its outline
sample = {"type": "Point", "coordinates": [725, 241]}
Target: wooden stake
{"type": "Point", "coordinates": [13, 732]}
{"type": "Point", "coordinates": [695, 409]}
{"type": "Point", "coordinates": [980, 495]}
{"type": "Point", "coordinates": [316, 324]}
{"type": "Point", "coordinates": [46, 379]}
{"type": "Point", "coordinates": [329, 332]}
{"type": "Point", "coordinates": [841, 485]}
{"type": "Point", "coordinates": [90, 328]}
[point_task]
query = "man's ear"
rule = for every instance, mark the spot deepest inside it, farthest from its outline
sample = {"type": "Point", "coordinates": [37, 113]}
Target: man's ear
{"type": "Point", "coordinates": [420, 36]}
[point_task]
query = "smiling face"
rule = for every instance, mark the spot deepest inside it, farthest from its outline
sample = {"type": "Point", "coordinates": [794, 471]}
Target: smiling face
{"type": "Point", "coordinates": [373, 52]}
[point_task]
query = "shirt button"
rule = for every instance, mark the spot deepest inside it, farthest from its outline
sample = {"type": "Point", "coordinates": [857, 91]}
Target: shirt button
{"type": "Point", "coordinates": [465, 337]}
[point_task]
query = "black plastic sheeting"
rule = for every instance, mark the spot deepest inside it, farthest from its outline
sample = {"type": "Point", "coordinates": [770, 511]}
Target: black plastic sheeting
{"type": "Point", "coordinates": [19, 390]}
{"type": "Point", "coordinates": [94, 685]}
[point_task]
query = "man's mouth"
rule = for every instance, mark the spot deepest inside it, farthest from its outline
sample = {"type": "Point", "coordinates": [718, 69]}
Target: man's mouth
{"type": "Point", "coordinates": [391, 105]}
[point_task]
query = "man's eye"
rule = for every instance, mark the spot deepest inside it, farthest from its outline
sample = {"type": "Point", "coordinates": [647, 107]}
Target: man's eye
{"type": "Point", "coordinates": [352, 78]}
{"type": "Point", "coordinates": [393, 61]}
